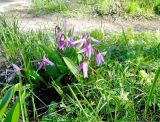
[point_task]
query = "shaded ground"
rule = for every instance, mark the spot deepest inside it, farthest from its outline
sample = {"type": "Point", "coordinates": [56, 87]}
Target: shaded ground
{"type": "Point", "coordinates": [28, 21]}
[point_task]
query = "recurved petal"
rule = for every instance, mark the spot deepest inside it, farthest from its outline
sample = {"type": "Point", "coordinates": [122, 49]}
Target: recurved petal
{"type": "Point", "coordinates": [80, 42]}
{"type": "Point", "coordinates": [84, 50]}
{"type": "Point", "coordinates": [85, 69]}
{"type": "Point", "coordinates": [41, 66]}
{"type": "Point", "coordinates": [49, 62]}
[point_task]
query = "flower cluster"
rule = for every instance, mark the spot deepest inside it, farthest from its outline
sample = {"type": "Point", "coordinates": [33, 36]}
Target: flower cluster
{"type": "Point", "coordinates": [83, 46]}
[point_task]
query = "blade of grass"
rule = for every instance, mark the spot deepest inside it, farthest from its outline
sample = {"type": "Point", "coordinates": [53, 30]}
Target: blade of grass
{"type": "Point", "coordinates": [151, 93]}
{"type": "Point", "coordinates": [74, 95]}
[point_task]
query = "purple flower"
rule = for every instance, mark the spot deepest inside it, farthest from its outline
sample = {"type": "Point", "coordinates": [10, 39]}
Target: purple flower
{"type": "Point", "coordinates": [61, 44]}
{"type": "Point", "coordinates": [12, 73]}
{"type": "Point", "coordinates": [45, 62]}
{"type": "Point", "coordinates": [99, 58]}
{"type": "Point", "coordinates": [87, 50]}
{"type": "Point", "coordinates": [84, 68]}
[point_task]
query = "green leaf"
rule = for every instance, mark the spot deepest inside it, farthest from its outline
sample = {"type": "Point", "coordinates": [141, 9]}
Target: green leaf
{"type": "Point", "coordinates": [72, 67]}
{"type": "Point", "coordinates": [5, 101]}
{"type": "Point", "coordinates": [70, 53]}
{"type": "Point", "coordinates": [54, 56]}
{"type": "Point", "coordinates": [35, 77]}
{"type": "Point", "coordinates": [152, 89]}
{"type": "Point", "coordinates": [77, 100]}
{"type": "Point", "coordinates": [17, 86]}
{"type": "Point", "coordinates": [14, 113]}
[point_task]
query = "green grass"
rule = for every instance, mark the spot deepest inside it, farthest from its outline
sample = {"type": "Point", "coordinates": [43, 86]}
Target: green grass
{"type": "Point", "coordinates": [50, 6]}
{"type": "Point", "coordinates": [131, 8]}
{"type": "Point", "coordinates": [115, 8]}
{"type": "Point", "coordinates": [126, 88]}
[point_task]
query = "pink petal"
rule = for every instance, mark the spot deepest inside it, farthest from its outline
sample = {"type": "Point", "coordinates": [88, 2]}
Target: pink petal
{"type": "Point", "coordinates": [83, 50]}
{"type": "Point", "coordinates": [80, 67]}
{"type": "Point", "coordinates": [90, 51]}
{"type": "Point", "coordinates": [49, 62]}
{"type": "Point", "coordinates": [79, 42]}
{"type": "Point", "coordinates": [41, 66]}
{"type": "Point", "coordinates": [99, 59]}
{"type": "Point", "coordinates": [85, 69]}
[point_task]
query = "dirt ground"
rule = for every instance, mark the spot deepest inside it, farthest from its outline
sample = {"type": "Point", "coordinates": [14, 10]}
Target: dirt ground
{"type": "Point", "coordinates": [28, 21]}
{"type": "Point", "coordinates": [86, 23]}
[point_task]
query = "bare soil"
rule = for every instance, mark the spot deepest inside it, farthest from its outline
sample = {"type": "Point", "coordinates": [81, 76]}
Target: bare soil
{"type": "Point", "coordinates": [28, 21]}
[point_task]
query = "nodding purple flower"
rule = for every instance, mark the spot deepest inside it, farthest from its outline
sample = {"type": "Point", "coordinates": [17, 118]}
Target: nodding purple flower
{"type": "Point", "coordinates": [12, 73]}
{"type": "Point", "coordinates": [61, 44]}
{"type": "Point", "coordinates": [45, 62]}
{"type": "Point", "coordinates": [99, 58]}
{"type": "Point", "coordinates": [88, 50]}
{"type": "Point", "coordinates": [84, 68]}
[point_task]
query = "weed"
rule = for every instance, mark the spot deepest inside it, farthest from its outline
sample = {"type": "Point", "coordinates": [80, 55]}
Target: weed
{"type": "Point", "coordinates": [60, 78]}
{"type": "Point", "coordinates": [49, 6]}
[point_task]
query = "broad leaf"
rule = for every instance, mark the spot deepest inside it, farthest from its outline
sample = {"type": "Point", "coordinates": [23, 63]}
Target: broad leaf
{"type": "Point", "coordinates": [72, 67]}
{"type": "Point", "coordinates": [5, 101]}
{"type": "Point", "coordinates": [14, 113]}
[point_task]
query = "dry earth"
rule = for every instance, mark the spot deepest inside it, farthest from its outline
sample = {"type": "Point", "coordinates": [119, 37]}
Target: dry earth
{"type": "Point", "coordinates": [28, 21]}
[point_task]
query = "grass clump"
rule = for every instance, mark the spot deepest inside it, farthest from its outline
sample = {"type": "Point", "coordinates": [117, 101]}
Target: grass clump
{"type": "Point", "coordinates": [131, 8]}
{"type": "Point", "coordinates": [49, 6]}
{"type": "Point", "coordinates": [52, 87]}
{"type": "Point", "coordinates": [113, 8]}
{"type": "Point", "coordinates": [157, 9]}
